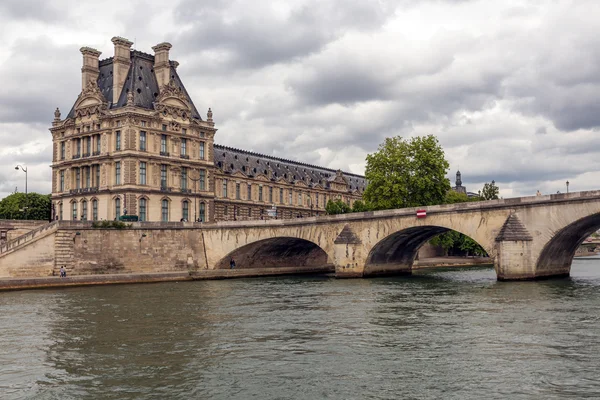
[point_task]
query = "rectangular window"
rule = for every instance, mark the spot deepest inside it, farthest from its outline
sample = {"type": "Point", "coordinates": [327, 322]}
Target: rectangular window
{"type": "Point", "coordinates": [78, 144]}
{"type": "Point", "coordinates": [260, 190]}
{"type": "Point", "coordinates": [202, 212]}
{"type": "Point", "coordinates": [143, 124]}
{"type": "Point", "coordinates": [237, 191]}
{"type": "Point", "coordinates": [299, 199]}
{"type": "Point", "coordinates": [184, 178]}
{"type": "Point", "coordinates": [88, 147]}
{"type": "Point", "coordinates": [202, 179]}
{"type": "Point", "coordinates": [97, 175]}
{"type": "Point", "coordinates": [62, 150]}
{"type": "Point", "coordinates": [142, 173]}
{"type": "Point", "coordinates": [77, 178]}
{"type": "Point", "coordinates": [118, 140]}
{"type": "Point", "coordinates": [95, 210]}
{"type": "Point", "coordinates": [164, 127]}
{"type": "Point", "coordinates": [183, 147]}
{"type": "Point", "coordinates": [88, 177]}
{"type": "Point", "coordinates": [163, 144]}
{"type": "Point", "coordinates": [98, 139]}
{"type": "Point", "coordinates": [74, 208]}
{"type": "Point", "coordinates": [185, 210]}
{"type": "Point", "coordinates": [317, 198]}
{"type": "Point", "coordinates": [270, 194]}
{"type": "Point", "coordinates": [202, 150]}
{"type": "Point", "coordinates": [118, 173]}
{"type": "Point", "coordinates": [224, 188]}
{"type": "Point", "coordinates": [143, 210]}
{"type": "Point", "coordinates": [249, 197]}
{"type": "Point", "coordinates": [117, 207]}
{"type": "Point", "coordinates": [184, 131]}
{"type": "Point", "coordinates": [84, 211]}
{"type": "Point", "coordinates": [290, 198]}
{"type": "Point", "coordinates": [142, 141]}
{"type": "Point", "coordinates": [62, 181]}
{"type": "Point", "coordinates": [281, 196]}
{"type": "Point", "coordinates": [165, 210]}
{"type": "Point", "coordinates": [60, 211]}
{"type": "Point", "coordinates": [163, 176]}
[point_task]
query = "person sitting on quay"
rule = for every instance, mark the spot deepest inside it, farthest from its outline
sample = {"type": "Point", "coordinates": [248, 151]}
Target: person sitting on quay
{"type": "Point", "coordinates": [232, 263]}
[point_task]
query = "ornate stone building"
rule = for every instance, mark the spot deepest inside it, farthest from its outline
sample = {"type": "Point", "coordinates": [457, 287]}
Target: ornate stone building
{"type": "Point", "coordinates": [135, 143]}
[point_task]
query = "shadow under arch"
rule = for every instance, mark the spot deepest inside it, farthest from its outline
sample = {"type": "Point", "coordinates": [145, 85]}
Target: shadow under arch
{"type": "Point", "coordinates": [278, 252]}
{"type": "Point", "coordinates": [557, 255]}
{"type": "Point", "coordinates": [396, 253]}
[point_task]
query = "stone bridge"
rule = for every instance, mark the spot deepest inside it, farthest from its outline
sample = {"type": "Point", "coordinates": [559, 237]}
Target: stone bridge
{"type": "Point", "coordinates": [528, 237]}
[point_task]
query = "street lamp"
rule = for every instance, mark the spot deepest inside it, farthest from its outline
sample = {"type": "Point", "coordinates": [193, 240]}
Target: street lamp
{"type": "Point", "coordinates": [195, 179]}
{"type": "Point", "coordinates": [567, 186]}
{"type": "Point", "coordinates": [24, 169]}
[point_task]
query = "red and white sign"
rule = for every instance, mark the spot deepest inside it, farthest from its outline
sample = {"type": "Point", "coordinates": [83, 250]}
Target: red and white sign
{"type": "Point", "coordinates": [421, 213]}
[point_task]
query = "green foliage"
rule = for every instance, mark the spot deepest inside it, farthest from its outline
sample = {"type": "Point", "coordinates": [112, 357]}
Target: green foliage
{"type": "Point", "coordinates": [406, 173]}
{"type": "Point", "coordinates": [111, 224]}
{"type": "Point", "coordinates": [337, 207]}
{"type": "Point", "coordinates": [14, 205]}
{"type": "Point", "coordinates": [490, 191]}
{"type": "Point", "coordinates": [360, 206]}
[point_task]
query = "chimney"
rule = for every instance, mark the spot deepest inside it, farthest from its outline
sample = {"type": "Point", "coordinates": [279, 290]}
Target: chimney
{"type": "Point", "coordinates": [121, 64]}
{"type": "Point", "coordinates": [161, 63]}
{"type": "Point", "coordinates": [89, 70]}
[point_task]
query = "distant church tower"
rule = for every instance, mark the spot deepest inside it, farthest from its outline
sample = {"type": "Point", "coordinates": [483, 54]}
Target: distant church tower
{"type": "Point", "coordinates": [459, 188]}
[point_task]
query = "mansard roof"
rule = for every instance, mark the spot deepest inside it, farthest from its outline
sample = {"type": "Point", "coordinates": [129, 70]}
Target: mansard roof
{"type": "Point", "coordinates": [231, 160]}
{"type": "Point", "coordinates": [140, 79]}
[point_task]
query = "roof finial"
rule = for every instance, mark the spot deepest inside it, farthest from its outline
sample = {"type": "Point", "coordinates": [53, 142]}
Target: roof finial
{"type": "Point", "coordinates": [209, 115]}
{"type": "Point", "coordinates": [57, 114]}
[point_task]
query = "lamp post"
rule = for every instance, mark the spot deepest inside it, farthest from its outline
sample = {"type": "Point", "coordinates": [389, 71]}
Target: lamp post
{"type": "Point", "coordinates": [24, 169]}
{"type": "Point", "coordinates": [567, 187]}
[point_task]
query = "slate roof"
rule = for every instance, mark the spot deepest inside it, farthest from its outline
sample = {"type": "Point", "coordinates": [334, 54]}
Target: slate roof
{"type": "Point", "coordinates": [513, 230]}
{"type": "Point", "coordinates": [232, 160]}
{"type": "Point", "coordinates": [140, 79]}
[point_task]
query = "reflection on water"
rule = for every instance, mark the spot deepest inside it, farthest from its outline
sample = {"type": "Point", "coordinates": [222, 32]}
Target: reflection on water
{"type": "Point", "coordinates": [438, 334]}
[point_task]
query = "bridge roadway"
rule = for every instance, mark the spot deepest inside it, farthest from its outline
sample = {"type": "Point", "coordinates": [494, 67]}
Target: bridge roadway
{"type": "Point", "coordinates": [527, 237]}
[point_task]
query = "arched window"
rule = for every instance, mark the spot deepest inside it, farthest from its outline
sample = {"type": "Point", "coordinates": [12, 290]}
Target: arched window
{"type": "Point", "coordinates": [185, 210]}
{"type": "Point", "coordinates": [84, 210]}
{"type": "Point", "coordinates": [74, 209]}
{"type": "Point", "coordinates": [165, 210]}
{"type": "Point", "coordinates": [202, 212]}
{"type": "Point", "coordinates": [117, 207]}
{"type": "Point", "coordinates": [142, 210]}
{"type": "Point", "coordinates": [60, 211]}
{"type": "Point", "coordinates": [95, 210]}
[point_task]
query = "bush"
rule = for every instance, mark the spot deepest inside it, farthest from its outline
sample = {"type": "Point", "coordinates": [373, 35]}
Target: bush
{"type": "Point", "coordinates": [111, 225]}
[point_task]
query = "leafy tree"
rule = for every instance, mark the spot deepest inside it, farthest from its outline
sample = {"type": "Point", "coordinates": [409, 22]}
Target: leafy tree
{"type": "Point", "coordinates": [14, 205]}
{"type": "Point", "coordinates": [360, 206]}
{"type": "Point", "coordinates": [406, 173]}
{"type": "Point", "coordinates": [490, 191]}
{"type": "Point", "coordinates": [337, 207]}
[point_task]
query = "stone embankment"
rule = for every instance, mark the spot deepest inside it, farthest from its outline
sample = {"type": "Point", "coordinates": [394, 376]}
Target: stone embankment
{"type": "Point", "coordinates": [448, 262]}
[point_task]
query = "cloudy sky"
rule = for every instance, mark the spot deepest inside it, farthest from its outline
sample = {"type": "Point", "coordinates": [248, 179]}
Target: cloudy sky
{"type": "Point", "coordinates": [511, 88]}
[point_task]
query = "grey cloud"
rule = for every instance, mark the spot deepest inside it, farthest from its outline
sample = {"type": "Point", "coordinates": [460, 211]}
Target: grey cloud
{"type": "Point", "coordinates": [42, 10]}
{"type": "Point", "coordinates": [541, 130]}
{"type": "Point", "coordinates": [253, 37]}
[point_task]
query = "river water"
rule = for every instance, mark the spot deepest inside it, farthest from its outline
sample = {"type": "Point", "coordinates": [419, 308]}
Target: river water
{"type": "Point", "coordinates": [452, 334]}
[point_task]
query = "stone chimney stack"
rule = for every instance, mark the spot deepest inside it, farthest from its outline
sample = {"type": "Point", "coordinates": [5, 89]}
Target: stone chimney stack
{"type": "Point", "coordinates": [121, 64]}
{"type": "Point", "coordinates": [161, 63]}
{"type": "Point", "coordinates": [89, 70]}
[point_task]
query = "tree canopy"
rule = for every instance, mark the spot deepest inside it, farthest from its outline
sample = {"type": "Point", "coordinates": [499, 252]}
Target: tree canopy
{"type": "Point", "coordinates": [490, 191]}
{"type": "Point", "coordinates": [406, 173]}
{"type": "Point", "coordinates": [14, 206]}
{"type": "Point", "coordinates": [337, 207]}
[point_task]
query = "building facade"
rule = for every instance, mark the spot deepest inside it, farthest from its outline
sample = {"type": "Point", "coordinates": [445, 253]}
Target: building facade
{"type": "Point", "coordinates": [134, 143]}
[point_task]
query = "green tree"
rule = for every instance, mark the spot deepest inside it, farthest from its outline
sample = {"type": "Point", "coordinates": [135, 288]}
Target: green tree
{"type": "Point", "coordinates": [360, 206]}
{"type": "Point", "coordinates": [14, 205]}
{"type": "Point", "coordinates": [337, 207]}
{"type": "Point", "coordinates": [406, 173]}
{"type": "Point", "coordinates": [490, 191]}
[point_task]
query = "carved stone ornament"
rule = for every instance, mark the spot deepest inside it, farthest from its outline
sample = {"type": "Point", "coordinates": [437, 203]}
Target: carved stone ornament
{"type": "Point", "coordinates": [90, 101]}
{"type": "Point", "coordinates": [172, 101]}
{"type": "Point", "coordinates": [57, 114]}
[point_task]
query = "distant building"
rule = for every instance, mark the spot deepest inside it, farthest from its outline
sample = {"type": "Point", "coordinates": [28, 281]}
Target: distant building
{"type": "Point", "coordinates": [135, 143]}
{"type": "Point", "coordinates": [459, 188]}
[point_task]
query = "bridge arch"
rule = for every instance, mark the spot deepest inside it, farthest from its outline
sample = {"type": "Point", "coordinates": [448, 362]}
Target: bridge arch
{"type": "Point", "coordinates": [278, 252]}
{"type": "Point", "coordinates": [557, 254]}
{"type": "Point", "coordinates": [395, 253]}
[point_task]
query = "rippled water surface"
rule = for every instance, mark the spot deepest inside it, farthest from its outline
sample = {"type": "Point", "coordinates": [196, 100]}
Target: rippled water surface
{"type": "Point", "coordinates": [454, 334]}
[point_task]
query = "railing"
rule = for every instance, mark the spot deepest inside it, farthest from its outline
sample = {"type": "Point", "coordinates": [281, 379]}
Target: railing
{"type": "Point", "coordinates": [96, 153]}
{"type": "Point", "coordinates": [187, 157]}
{"type": "Point", "coordinates": [76, 156]}
{"type": "Point", "coordinates": [166, 189]}
{"type": "Point", "coordinates": [164, 153]}
{"type": "Point", "coordinates": [185, 190]}
{"type": "Point", "coordinates": [93, 189]}
{"type": "Point", "coordinates": [86, 154]}
{"type": "Point", "coordinates": [27, 237]}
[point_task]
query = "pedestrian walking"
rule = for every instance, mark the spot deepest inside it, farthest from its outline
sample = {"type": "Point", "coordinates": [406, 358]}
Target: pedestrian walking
{"type": "Point", "coordinates": [63, 272]}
